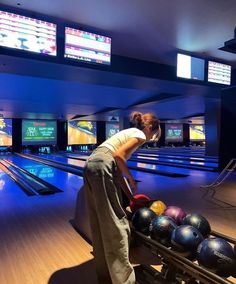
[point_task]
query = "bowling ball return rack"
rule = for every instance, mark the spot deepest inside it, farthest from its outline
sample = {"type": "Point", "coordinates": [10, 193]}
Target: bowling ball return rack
{"type": "Point", "coordinates": [175, 268]}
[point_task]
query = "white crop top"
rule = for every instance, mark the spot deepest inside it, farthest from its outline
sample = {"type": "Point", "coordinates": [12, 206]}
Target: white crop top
{"type": "Point", "coordinates": [116, 141]}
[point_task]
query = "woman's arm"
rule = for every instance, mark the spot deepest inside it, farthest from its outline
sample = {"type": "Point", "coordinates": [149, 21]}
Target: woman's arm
{"type": "Point", "coordinates": [121, 156]}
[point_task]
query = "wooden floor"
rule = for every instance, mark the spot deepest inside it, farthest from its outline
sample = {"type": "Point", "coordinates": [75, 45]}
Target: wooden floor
{"type": "Point", "coordinates": [38, 245]}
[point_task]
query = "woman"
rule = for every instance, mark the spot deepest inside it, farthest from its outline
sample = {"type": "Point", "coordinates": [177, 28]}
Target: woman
{"type": "Point", "coordinates": [102, 181]}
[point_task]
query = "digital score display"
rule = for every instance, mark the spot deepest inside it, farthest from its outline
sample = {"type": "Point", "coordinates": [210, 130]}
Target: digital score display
{"type": "Point", "coordinates": [190, 67]}
{"type": "Point", "coordinates": [82, 132]}
{"type": "Point", "coordinates": [196, 132]}
{"type": "Point", "coordinates": [5, 132]}
{"type": "Point", "coordinates": [112, 129]}
{"type": "Point", "coordinates": [39, 132]}
{"type": "Point", "coordinates": [174, 132]}
{"type": "Point", "coordinates": [29, 34]}
{"type": "Point", "coordinates": [219, 73]}
{"type": "Point", "coordinates": [85, 46]}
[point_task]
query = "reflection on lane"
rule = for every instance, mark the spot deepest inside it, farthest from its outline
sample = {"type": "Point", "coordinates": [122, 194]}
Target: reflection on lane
{"type": "Point", "coordinates": [184, 162]}
{"type": "Point", "coordinates": [54, 176]}
{"type": "Point", "coordinates": [2, 180]}
{"type": "Point", "coordinates": [140, 165]}
{"type": "Point", "coordinates": [41, 171]}
{"type": "Point", "coordinates": [63, 159]}
{"type": "Point", "coordinates": [146, 166]}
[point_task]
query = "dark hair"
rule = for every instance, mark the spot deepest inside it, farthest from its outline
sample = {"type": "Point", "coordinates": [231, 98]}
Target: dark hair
{"type": "Point", "coordinates": [136, 120]}
{"type": "Point", "coordinates": [140, 120]}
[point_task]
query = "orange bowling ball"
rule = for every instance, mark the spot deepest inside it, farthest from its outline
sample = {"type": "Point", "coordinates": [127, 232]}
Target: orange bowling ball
{"type": "Point", "coordinates": [158, 207]}
{"type": "Point", "coordinates": [139, 201]}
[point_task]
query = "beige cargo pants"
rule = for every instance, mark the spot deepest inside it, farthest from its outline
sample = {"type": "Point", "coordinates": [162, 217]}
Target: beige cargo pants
{"type": "Point", "coordinates": [109, 224]}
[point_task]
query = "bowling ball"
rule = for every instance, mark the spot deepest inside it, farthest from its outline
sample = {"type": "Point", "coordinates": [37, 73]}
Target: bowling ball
{"type": "Point", "coordinates": [185, 240]}
{"type": "Point", "coordinates": [161, 229]}
{"type": "Point", "coordinates": [158, 207]}
{"type": "Point", "coordinates": [234, 269]}
{"type": "Point", "coordinates": [217, 255]}
{"type": "Point", "coordinates": [142, 218]}
{"type": "Point", "coordinates": [199, 222]}
{"type": "Point", "coordinates": [176, 213]}
{"type": "Point", "coordinates": [139, 201]}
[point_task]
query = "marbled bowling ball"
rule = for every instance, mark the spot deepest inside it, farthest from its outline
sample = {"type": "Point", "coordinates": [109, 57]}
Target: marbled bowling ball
{"type": "Point", "coordinates": [158, 207]}
{"type": "Point", "coordinates": [161, 229]}
{"type": "Point", "coordinates": [139, 201]}
{"type": "Point", "coordinates": [185, 240]}
{"type": "Point", "coordinates": [217, 255]}
{"type": "Point", "coordinates": [176, 213]}
{"type": "Point", "coordinates": [142, 218]}
{"type": "Point", "coordinates": [199, 222]}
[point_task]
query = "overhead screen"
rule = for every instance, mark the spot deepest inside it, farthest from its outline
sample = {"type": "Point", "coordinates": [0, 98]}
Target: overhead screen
{"type": "Point", "coordinates": [85, 46]}
{"type": "Point", "coordinates": [190, 67]}
{"type": "Point", "coordinates": [174, 132]}
{"type": "Point", "coordinates": [196, 132]}
{"type": "Point", "coordinates": [219, 73]}
{"type": "Point", "coordinates": [29, 34]}
{"type": "Point", "coordinates": [39, 132]}
{"type": "Point", "coordinates": [111, 129]}
{"type": "Point", "coordinates": [5, 132]}
{"type": "Point", "coordinates": [82, 132]}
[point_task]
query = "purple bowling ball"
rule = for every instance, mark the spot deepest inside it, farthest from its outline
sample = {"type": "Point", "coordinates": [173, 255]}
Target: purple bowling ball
{"type": "Point", "coordinates": [176, 213]}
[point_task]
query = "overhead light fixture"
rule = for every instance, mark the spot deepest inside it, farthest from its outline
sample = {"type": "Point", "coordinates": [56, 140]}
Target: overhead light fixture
{"type": "Point", "coordinates": [230, 45]}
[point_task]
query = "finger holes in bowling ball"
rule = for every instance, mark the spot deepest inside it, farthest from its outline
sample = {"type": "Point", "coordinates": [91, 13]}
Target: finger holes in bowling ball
{"type": "Point", "coordinates": [185, 240]}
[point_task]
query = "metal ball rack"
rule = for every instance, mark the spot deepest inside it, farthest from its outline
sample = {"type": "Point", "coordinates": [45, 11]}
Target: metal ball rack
{"type": "Point", "coordinates": [175, 268]}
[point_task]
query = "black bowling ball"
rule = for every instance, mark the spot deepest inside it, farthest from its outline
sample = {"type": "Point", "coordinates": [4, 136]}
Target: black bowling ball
{"type": "Point", "coordinates": [161, 229]}
{"type": "Point", "coordinates": [142, 218]}
{"type": "Point", "coordinates": [199, 222]}
{"type": "Point", "coordinates": [185, 240]}
{"type": "Point", "coordinates": [217, 255]}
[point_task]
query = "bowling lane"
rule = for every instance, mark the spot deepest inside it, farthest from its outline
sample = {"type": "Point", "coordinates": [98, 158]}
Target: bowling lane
{"type": "Point", "coordinates": [177, 151]}
{"type": "Point", "coordinates": [184, 192]}
{"type": "Point", "coordinates": [37, 240]}
{"type": "Point", "coordinates": [177, 161]}
{"type": "Point", "coordinates": [176, 156]}
{"type": "Point", "coordinates": [155, 159]}
{"type": "Point", "coordinates": [141, 165]}
{"type": "Point", "coordinates": [64, 159]}
{"type": "Point", "coordinates": [56, 177]}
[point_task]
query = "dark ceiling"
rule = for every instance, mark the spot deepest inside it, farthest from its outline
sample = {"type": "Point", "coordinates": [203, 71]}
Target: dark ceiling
{"type": "Point", "coordinates": [152, 31]}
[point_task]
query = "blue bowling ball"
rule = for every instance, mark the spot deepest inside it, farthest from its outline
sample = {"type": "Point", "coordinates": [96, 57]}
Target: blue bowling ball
{"type": "Point", "coordinates": [185, 240]}
{"type": "Point", "coordinates": [217, 255]}
{"type": "Point", "coordinates": [141, 220]}
{"type": "Point", "coordinates": [161, 229]}
{"type": "Point", "coordinates": [199, 222]}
